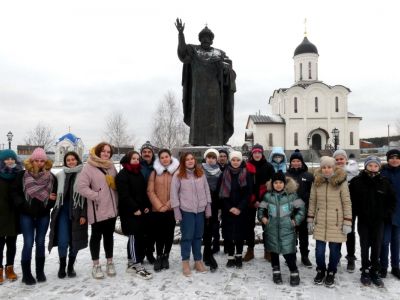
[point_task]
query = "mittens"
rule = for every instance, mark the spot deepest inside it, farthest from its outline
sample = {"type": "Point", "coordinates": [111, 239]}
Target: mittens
{"type": "Point", "coordinates": [346, 229]}
{"type": "Point", "coordinates": [310, 227]}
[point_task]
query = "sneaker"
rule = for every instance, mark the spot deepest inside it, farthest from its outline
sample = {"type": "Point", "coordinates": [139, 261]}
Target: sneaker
{"type": "Point", "coordinates": [377, 280]}
{"type": "Point", "coordinates": [276, 275]}
{"type": "Point", "coordinates": [231, 262]}
{"type": "Point", "coordinates": [294, 278]}
{"type": "Point", "coordinates": [97, 273]}
{"type": "Point", "coordinates": [238, 261]}
{"type": "Point", "coordinates": [330, 280]}
{"type": "Point", "coordinates": [165, 261]}
{"type": "Point", "coordinates": [306, 262]}
{"type": "Point", "coordinates": [319, 278]}
{"type": "Point", "coordinates": [141, 272]}
{"type": "Point", "coordinates": [110, 269]}
{"type": "Point", "coordinates": [383, 273]}
{"type": "Point", "coordinates": [158, 264]}
{"type": "Point", "coordinates": [365, 278]}
{"type": "Point", "coordinates": [351, 264]}
{"type": "Point", "coordinates": [396, 272]}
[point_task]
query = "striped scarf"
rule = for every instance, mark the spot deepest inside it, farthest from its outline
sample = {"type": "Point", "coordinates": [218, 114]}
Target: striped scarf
{"type": "Point", "coordinates": [38, 186]}
{"type": "Point", "coordinates": [226, 184]}
{"type": "Point", "coordinates": [78, 199]}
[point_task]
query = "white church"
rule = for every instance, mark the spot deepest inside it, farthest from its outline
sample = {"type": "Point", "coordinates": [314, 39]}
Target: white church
{"type": "Point", "coordinates": [68, 142]}
{"type": "Point", "coordinates": [308, 115]}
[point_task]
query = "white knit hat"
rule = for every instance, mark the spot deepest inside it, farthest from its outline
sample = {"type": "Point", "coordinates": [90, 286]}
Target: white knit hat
{"type": "Point", "coordinates": [211, 150]}
{"type": "Point", "coordinates": [236, 154]}
{"type": "Point", "coordinates": [327, 161]}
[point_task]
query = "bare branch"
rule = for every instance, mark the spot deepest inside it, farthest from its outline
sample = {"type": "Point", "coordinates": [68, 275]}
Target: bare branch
{"type": "Point", "coordinates": [41, 135]}
{"type": "Point", "coordinates": [117, 130]}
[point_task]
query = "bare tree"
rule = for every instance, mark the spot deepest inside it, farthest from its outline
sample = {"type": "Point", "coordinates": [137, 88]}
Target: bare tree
{"type": "Point", "coordinates": [41, 135]}
{"type": "Point", "coordinates": [169, 130]}
{"type": "Point", "coordinates": [117, 130]}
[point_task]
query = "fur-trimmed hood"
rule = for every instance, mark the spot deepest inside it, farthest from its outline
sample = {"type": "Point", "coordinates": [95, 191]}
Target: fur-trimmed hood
{"type": "Point", "coordinates": [339, 176]}
{"type": "Point", "coordinates": [290, 186]}
{"type": "Point", "coordinates": [159, 168]}
{"type": "Point", "coordinates": [29, 166]}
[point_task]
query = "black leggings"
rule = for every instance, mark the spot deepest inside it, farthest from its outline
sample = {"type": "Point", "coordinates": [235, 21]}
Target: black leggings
{"type": "Point", "coordinates": [290, 260]}
{"type": "Point", "coordinates": [164, 235]}
{"type": "Point", "coordinates": [11, 242]}
{"type": "Point", "coordinates": [231, 245]}
{"type": "Point", "coordinates": [103, 229]}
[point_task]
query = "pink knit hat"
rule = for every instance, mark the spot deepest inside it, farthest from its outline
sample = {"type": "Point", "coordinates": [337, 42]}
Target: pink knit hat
{"type": "Point", "coordinates": [38, 154]}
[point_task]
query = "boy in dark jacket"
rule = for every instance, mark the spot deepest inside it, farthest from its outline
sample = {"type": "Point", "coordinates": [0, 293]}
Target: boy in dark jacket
{"type": "Point", "coordinates": [373, 203]}
{"type": "Point", "coordinates": [298, 170]}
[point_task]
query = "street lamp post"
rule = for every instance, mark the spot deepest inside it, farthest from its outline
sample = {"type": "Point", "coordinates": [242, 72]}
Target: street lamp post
{"type": "Point", "coordinates": [335, 134]}
{"type": "Point", "coordinates": [9, 137]}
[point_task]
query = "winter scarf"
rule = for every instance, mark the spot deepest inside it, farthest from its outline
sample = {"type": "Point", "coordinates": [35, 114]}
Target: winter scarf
{"type": "Point", "coordinates": [226, 184]}
{"type": "Point", "coordinates": [78, 199]}
{"type": "Point", "coordinates": [103, 165]}
{"type": "Point", "coordinates": [38, 186]}
{"type": "Point", "coordinates": [132, 168]}
{"type": "Point", "coordinates": [9, 173]}
{"type": "Point", "coordinates": [171, 168]}
{"type": "Point", "coordinates": [212, 174]}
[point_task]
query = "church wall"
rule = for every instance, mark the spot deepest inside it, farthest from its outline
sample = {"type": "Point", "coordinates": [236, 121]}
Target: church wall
{"type": "Point", "coordinates": [262, 131]}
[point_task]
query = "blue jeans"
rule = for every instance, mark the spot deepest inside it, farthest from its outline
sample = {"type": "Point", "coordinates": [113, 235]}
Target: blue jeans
{"type": "Point", "coordinates": [33, 230]}
{"type": "Point", "coordinates": [192, 228]}
{"type": "Point", "coordinates": [64, 232]}
{"type": "Point", "coordinates": [391, 235]}
{"type": "Point", "coordinates": [334, 255]}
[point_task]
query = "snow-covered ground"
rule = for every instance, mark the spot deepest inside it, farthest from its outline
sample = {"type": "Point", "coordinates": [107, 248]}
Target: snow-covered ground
{"type": "Point", "coordinates": [254, 281]}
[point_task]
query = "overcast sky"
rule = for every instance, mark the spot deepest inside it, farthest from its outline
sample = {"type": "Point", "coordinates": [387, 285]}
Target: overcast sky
{"type": "Point", "coordinates": [72, 63]}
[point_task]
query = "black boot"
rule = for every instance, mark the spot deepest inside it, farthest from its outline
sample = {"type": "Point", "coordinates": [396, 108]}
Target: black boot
{"type": "Point", "coordinates": [306, 262]}
{"type": "Point", "coordinates": [319, 278]}
{"type": "Point", "coordinates": [61, 270]}
{"type": "Point", "coordinates": [383, 273]}
{"type": "Point", "coordinates": [231, 262]}
{"type": "Point", "coordinates": [70, 269]}
{"type": "Point", "coordinates": [40, 276]}
{"type": "Point", "coordinates": [158, 264]}
{"type": "Point", "coordinates": [351, 263]}
{"type": "Point", "coordinates": [294, 278]}
{"type": "Point", "coordinates": [238, 261]}
{"type": "Point", "coordinates": [165, 261]}
{"type": "Point", "coordinates": [206, 256]}
{"type": "Point", "coordinates": [365, 277]}
{"type": "Point", "coordinates": [396, 272]}
{"type": "Point", "coordinates": [150, 257]}
{"type": "Point", "coordinates": [276, 275]}
{"type": "Point", "coordinates": [27, 277]}
{"type": "Point", "coordinates": [376, 279]}
{"type": "Point", "coordinates": [213, 264]}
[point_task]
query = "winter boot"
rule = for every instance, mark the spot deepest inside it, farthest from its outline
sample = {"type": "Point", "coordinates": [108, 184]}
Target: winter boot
{"type": "Point", "coordinates": [165, 261]}
{"type": "Point", "coordinates": [376, 279]}
{"type": "Point", "coordinates": [319, 278]}
{"type": "Point", "coordinates": [351, 264]}
{"type": "Point", "coordinates": [61, 270]}
{"type": "Point", "coordinates": [158, 264]}
{"type": "Point", "coordinates": [70, 269]}
{"type": "Point", "coordinates": [207, 256]}
{"type": "Point", "coordinates": [186, 268]}
{"type": "Point", "coordinates": [365, 277]}
{"type": "Point", "coordinates": [10, 274]}
{"type": "Point", "coordinates": [238, 261]}
{"type": "Point", "coordinates": [40, 276]}
{"type": "Point", "coordinates": [199, 267]}
{"type": "Point", "coordinates": [213, 264]}
{"type": "Point", "coordinates": [249, 254]}
{"type": "Point", "coordinates": [276, 275]}
{"type": "Point", "coordinates": [231, 262]}
{"type": "Point", "coordinates": [27, 277]}
{"type": "Point", "coordinates": [150, 257]}
{"type": "Point", "coordinates": [1, 275]}
{"type": "Point", "coordinates": [215, 248]}
{"type": "Point", "coordinates": [396, 272]}
{"type": "Point", "coordinates": [294, 278]}
{"type": "Point", "coordinates": [330, 280]}
{"type": "Point", "coordinates": [383, 273]}
{"type": "Point", "coordinates": [306, 262]}
{"type": "Point", "coordinates": [267, 255]}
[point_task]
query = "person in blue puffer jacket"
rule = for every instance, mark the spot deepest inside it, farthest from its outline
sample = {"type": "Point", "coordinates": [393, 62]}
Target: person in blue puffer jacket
{"type": "Point", "coordinates": [278, 159]}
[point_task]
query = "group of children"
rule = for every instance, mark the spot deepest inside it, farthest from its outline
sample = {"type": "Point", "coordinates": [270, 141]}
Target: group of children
{"type": "Point", "coordinates": [223, 192]}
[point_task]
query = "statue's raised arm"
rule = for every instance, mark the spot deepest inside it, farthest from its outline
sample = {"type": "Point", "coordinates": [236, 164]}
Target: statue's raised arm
{"type": "Point", "coordinates": [182, 51]}
{"type": "Point", "coordinates": [179, 25]}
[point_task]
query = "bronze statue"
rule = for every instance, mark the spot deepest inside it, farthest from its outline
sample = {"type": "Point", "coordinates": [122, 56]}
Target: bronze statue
{"type": "Point", "coordinates": [208, 82]}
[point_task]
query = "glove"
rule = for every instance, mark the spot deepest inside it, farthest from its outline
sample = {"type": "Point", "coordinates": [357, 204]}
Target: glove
{"type": "Point", "coordinates": [310, 227]}
{"type": "Point", "coordinates": [346, 229]}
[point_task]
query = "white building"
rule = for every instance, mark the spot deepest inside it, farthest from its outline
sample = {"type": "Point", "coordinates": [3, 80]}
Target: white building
{"type": "Point", "coordinates": [68, 142]}
{"type": "Point", "coordinates": [305, 114]}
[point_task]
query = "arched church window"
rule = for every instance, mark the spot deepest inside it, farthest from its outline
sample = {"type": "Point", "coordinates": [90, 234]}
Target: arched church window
{"type": "Point", "coordinates": [351, 138]}
{"type": "Point", "coordinates": [295, 105]}
{"type": "Point", "coordinates": [301, 71]}
{"type": "Point", "coordinates": [296, 138]}
{"type": "Point", "coordinates": [336, 104]}
{"type": "Point", "coordinates": [316, 104]}
{"type": "Point", "coordinates": [270, 141]}
{"type": "Point", "coordinates": [309, 70]}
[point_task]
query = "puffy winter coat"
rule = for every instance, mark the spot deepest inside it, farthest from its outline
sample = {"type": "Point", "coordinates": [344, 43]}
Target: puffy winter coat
{"type": "Point", "coordinates": [393, 174]}
{"type": "Point", "coordinates": [304, 179]}
{"type": "Point", "coordinates": [330, 206]}
{"type": "Point", "coordinates": [281, 209]}
{"type": "Point", "coordinates": [8, 214]}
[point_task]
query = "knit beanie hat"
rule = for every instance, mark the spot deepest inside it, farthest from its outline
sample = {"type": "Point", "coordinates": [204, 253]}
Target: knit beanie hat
{"type": "Point", "coordinates": [38, 154]}
{"type": "Point", "coordinates": [278, 176]}
{"type": "Point", "coordinates": [257, 148]}
{"type": "Point", "coordinates": [147, 145]}
{"type": "Point", "coordinates": [211, 150]}
{"type": "Point", "coordinates": [391, 153]}
{"type": "Point", "coordinates": [236, 154]}
{"type": "Point", "coordinates": [340, 152]}
{"type": "Point", "coordinates": [327, 161]}
{"type": "Point", "coordinates": [372, 159]}
{"type": "Point", "coordinates": [5, 154]}
{"type": "Point", "coordinates": [296, 155]}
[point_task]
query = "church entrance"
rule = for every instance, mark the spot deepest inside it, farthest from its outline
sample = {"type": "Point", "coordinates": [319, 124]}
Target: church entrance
{"type": "Point", "coordinates": [316, 141]}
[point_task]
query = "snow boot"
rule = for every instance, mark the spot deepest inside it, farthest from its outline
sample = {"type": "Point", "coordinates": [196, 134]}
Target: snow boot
{"type": "Point", "coordinates": [165, 261]}
{"type": "Point", "coordinates": [383, 273]}
{"type": "Point", "coordinates": [238, 261]}
{"type": "Point", "coordinates": [396, 272]}
{"type": "Point", "coordinates": [158, 264]}
{"type": "Point", "coordinates": [231, 262]}
{"type": "Point", "coordinates": [199, 267]}
{"type": "Point", "coordinates": [40, 276]}
{"type": "Point", "coordinates": [276, 275]}
{"type": "Point", "coordinates": [351, 264]}
{"type": "Point", "coordinates": [207, 256]}
{"type": "Point", "coordinates": [249, 254]}
{"type": "Point", "coordinates": [294, 278]}
{"type": "Point", "coordinates": [212, 263]}
{"type": "Point", "coordinates": [70, 269]}
{"type": "Point", "coordinates": [186, 268]}
{"type": "Point", "coordinates": [10, 274]}
{"type": "Point", "coordinates": [365, 278]}
{"type": "Point", "coordinates": [27, 277]}
{"type": "Point", "coordinates": [319, 278]}
{"type": "Point", "coordinates": [377, 280]}
{"type": "Point", "coordinates": [306, 262]}
{"type": "Point", "coordinates": [61, 270]}
{"type": "Point", "coordinates": [330, 280]}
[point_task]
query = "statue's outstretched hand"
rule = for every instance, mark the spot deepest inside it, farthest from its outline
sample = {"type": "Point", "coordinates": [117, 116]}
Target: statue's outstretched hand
{"type": "Point", "coordinates": [179, 25]}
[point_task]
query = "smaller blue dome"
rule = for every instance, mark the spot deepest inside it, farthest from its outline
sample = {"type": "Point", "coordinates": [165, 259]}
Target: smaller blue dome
{"type": "Point", "coordinates": [69, 136]}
